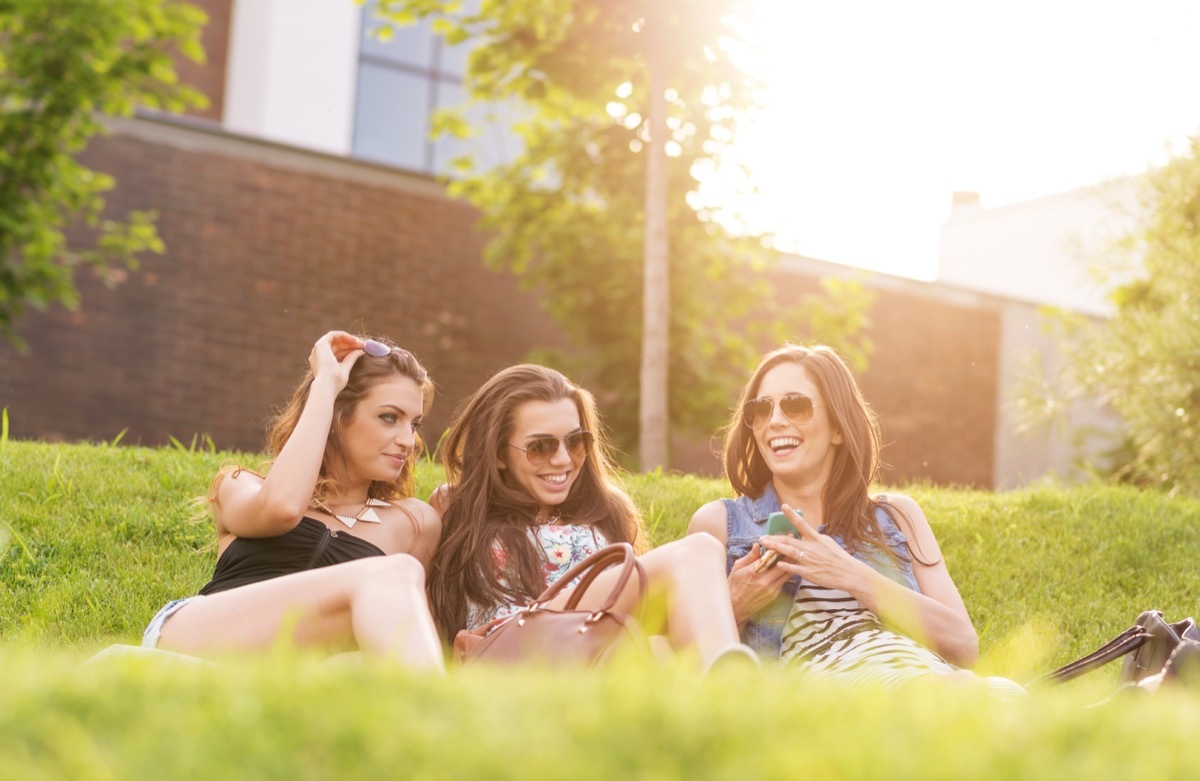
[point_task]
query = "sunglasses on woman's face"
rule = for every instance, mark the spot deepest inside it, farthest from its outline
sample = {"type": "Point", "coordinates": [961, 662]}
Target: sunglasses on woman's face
{"type": "Point", "coordinates": [540, 450]}
{"type": "Point", "coordinates": [756, 413]}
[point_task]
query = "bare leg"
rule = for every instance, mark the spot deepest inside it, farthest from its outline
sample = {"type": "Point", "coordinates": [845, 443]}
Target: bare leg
{"type": "Point", "coordinates": [692, 573]}
{"type": "Point", "coordinates": [377, 604]}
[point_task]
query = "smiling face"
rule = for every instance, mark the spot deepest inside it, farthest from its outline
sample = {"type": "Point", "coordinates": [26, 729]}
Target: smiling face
{"type": "Point", "coordinates": [800, 452]}
{"type": "Point", "coordinates": [548, 483]}
{"type": "Point", "coordinates": [380, 435]}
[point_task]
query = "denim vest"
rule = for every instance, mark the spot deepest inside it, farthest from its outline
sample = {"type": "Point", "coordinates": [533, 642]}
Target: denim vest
{"type": "Point", "coordinates": [746, 521]}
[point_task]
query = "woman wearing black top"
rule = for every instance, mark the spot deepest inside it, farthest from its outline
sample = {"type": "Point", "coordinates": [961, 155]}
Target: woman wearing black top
{"type": "Point", "coordinates": [328, 548]}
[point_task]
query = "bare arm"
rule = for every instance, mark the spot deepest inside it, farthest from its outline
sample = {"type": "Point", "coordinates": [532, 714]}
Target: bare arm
{"type": "Point", "coordinates": [249, 506]}
{"type": "Point", "coordinates": [429, 530]}
{"type": "Point", "coordinates": [935, 617]}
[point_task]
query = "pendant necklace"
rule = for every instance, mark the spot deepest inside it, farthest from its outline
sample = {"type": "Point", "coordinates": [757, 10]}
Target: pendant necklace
{"type": "Point", "coordinates": [366, 514]}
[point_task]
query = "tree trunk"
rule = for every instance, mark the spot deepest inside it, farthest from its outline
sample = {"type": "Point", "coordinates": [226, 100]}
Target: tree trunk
{"type": "Point", "coordinates": [656, 305]}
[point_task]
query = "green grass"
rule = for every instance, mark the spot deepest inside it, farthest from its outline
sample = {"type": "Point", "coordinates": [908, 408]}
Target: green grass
{"type": "Point", "coordinates": [93, 539]}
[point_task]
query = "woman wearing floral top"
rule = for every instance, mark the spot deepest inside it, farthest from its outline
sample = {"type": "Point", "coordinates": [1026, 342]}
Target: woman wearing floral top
{"type": "Point", "coordinates": [530, 494]}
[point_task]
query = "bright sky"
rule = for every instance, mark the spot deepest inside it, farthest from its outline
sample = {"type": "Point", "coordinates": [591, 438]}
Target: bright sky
{"type": "Point", "coordinates": [881, 109]}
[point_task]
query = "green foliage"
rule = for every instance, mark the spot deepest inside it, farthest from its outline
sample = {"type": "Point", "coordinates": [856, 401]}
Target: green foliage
{"type": "Point", "coordinates": [94, 538]}
{"type": "Point", "coordinates": [1144, 361]}
{"type": "Point", "coordinates": [668, 501]}
{"type": "Point", "coordinates": [567, 215]}
{"type": "Point", "coordinates": [196, 442]}
{"type": "Point", "coordinates": [64, 65]}
{"type": "Point", "coordinates": [297, 719]}
{"type": "Point", "coordinates": [839, 318]}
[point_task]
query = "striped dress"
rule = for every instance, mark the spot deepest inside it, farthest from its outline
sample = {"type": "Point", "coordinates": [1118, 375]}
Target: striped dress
{"type": "Point", "coordinates": [830, 633]}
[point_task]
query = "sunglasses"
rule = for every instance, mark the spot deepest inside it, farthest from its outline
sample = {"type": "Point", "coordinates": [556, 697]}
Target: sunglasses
{"type": "Point", "coordinates": [540, 450]}
{"type": "Point", "coordinates": [380, 350]}
{"type": "Point", "coordinates": [756, 413]}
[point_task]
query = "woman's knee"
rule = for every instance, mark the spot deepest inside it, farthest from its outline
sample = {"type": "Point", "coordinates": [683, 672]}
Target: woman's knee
{"type": "Point", "coordinates": [689, 554]}
{"type": "Point", "coordinates": [696, 548]}
{"type": "Point", "coordinates": [395, 569]}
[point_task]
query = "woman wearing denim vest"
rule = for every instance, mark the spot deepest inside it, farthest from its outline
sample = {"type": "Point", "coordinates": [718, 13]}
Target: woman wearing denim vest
{"type": "Point", "coordinates": [862, 594]}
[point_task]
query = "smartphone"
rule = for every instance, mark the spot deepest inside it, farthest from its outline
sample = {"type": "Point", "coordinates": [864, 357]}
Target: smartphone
{"type": "Point", "coordinates": [777, 523]}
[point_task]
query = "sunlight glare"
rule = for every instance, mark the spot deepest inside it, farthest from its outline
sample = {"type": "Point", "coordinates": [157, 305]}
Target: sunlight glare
{"type": "Point", "coordinates": [878, 111]}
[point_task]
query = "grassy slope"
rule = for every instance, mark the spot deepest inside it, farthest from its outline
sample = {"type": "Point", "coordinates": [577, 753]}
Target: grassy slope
{"type": "Point", "coordinates": [94, 539]}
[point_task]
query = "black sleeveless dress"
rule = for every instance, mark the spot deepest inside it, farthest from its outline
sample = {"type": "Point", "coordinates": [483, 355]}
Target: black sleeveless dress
{"type": "Point", "coordinates": [310, 545]}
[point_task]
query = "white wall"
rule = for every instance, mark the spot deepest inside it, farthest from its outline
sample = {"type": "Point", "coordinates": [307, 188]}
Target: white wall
{"type": "Point", "coordinates": [1086, 430]}
{"type": "Point", "coordinates": [1032, 254]}
{"type": "Point", "coordinates": [1037, 251]}
{"type": "Point", "coordinates": [291, 71]}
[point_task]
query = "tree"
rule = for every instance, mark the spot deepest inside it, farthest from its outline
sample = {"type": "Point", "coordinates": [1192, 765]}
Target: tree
{"type": "Point", "coordinates": [1144, 361]}
{"type": "Point", "coordinates": [64, 65]}
{"type": "Point", "coordinates": [568, 215]}
{"type": "Point", "coordinates": [654, 407]}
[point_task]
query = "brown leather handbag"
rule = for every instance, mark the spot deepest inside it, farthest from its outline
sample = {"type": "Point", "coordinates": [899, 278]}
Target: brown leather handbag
{"type": "Point", "coordinates": [567, 636]}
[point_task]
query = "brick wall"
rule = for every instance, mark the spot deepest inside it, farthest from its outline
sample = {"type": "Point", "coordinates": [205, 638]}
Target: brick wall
{"type": "Point", "coordinates": [932, 378]}
{"type": "Point", "coordinates": [262, 260]}
{"type": "Point", "coordinates": [268, 247]}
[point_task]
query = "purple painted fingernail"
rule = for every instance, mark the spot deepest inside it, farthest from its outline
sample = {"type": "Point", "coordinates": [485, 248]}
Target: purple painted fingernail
{"type": "Point", "coordinates": [377, 349]}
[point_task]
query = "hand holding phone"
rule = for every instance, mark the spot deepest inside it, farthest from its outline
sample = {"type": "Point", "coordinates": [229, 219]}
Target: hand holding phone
{"type": "Point", "coordinates": [777, 523]}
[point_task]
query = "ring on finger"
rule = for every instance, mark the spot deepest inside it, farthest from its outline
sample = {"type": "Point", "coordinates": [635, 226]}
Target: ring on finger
{"type": "Point", "coordinates": [799, 555]}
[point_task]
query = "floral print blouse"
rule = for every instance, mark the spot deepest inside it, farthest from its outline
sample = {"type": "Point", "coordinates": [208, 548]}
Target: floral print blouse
{"type": "Point", "coordinates": [562, 548]}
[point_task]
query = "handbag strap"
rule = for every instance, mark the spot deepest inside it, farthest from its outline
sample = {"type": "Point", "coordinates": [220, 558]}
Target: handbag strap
{"type": "Point", "coordinates": [1130, 640]}
{"type": "Point", "coordinates": [620, 553]}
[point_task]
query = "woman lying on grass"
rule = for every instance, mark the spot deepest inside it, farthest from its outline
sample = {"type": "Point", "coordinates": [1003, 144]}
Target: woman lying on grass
{"type": "Point", "coordinates": [862, 593]}
{"type": "Point", "coordinates": [327, 548]}
{"type": "Point", "coordinates": [530, 495]}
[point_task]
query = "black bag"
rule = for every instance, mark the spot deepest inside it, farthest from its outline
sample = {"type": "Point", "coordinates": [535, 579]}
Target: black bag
{"type": "Point", "coordinates": [1151, 647]}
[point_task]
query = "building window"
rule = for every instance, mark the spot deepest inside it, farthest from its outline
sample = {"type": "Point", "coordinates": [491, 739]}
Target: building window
{"type": "Point", "coordinates": [401, 82]}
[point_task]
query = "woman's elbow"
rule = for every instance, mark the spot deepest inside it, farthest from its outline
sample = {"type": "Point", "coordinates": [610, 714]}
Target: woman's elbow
{"type": "Point", "coordinates": [280, 516]}
{"type": "Point", "coordinates": [964, 650]}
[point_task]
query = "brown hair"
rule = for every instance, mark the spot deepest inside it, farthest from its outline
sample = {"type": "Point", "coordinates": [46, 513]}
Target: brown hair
{"type": "Point", "coordinates": [367, 372]}
{"type": "Point", "coordinates": [484, 511]}
{"type": "Point", "coordinates": [849, 507]}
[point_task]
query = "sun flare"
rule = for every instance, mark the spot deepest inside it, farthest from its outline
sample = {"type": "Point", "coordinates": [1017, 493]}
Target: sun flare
{"type": "Point", "coordinates": [879, 111]}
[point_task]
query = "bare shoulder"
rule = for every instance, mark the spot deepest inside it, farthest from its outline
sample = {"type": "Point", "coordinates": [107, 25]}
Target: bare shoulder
{"type": "Point", "coordinates": [710, 518]}
{"type": "Point", "coordinates": [910, 516]}
{"type": "Point", "coordinates": [427, 518]}
{"type": "Point", "coordinates": [233, 488]}
{"type": "Point", "coordinates": [232, 482]}
{"type": "Point", "coordinates": [912, 521]}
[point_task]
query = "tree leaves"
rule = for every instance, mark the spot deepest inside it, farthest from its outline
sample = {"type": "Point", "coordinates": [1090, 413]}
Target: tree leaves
{"type": "Point", "coordinates": [1145, 360]}
{"type": "Point", "coordinates": [567, 214]}
{"type": "Point", "coordinates": [62, 64]}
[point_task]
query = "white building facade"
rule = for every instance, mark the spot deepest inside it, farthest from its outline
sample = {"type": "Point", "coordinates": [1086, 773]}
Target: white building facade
{"type": "Point", "coordinates": [1039, 254]}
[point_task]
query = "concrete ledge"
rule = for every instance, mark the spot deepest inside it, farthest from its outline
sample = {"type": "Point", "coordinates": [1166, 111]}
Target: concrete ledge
{"type": "Point", "coordinates": [194, 135]}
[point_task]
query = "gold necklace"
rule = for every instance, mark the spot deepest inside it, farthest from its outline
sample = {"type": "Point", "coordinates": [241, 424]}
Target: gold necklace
{"type": "Point", "coordinates": [365, 514]}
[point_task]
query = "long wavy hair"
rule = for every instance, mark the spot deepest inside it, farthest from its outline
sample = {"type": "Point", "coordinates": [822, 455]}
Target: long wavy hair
{"type": "Point", "coordinates": [367, 372]}
{"type": "Point", "coordinates": [849, 506]}
{"type": "Point", "coordinates": [484, 511]}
